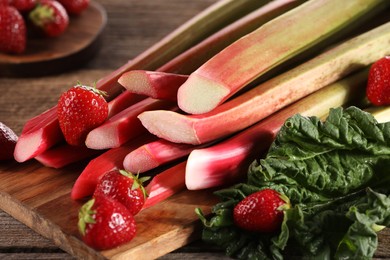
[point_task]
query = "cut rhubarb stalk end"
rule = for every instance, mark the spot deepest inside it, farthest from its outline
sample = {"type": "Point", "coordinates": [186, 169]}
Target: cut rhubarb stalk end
{"type": "Point", "coordinates": [154, 154]}
{"type": "Point", "coordinates": [124, 126]}
{"type": "Point", "coordinates": [272, 95]}
{"type": "Point", "coordinates": [154, 84]}
{"type": "Point", "coordinates": [39, 134]}
{"type": "Point", "coordinates": [269, 46]}
{"type": "Point", "coordinates": [63, 155]}
{"type": "Point", "coordinates": [170, 125]}
{"type": "Point", "coordinates": [165, 184]}
{"type": "Point", "coordinates": [228, 161]}
{"type": "Point", "coordinates": [199, 94]}
{"type": "Point", "coordinates": [110, 160]}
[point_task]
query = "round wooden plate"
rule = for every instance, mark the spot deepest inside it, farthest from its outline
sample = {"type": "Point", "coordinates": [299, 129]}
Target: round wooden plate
{"type": "Point", "coordinates": [44, 56]}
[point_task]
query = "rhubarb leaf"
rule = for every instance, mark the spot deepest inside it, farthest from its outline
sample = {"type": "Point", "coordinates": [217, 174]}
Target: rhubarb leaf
{"type": "Point", "coordinates": [335, 174]}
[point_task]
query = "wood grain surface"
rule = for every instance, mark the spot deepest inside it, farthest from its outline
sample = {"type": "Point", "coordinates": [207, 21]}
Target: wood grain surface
{"type": "Point", "coordinates": [132, 27]}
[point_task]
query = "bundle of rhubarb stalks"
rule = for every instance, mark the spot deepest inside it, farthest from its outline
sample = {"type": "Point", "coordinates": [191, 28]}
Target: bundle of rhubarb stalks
{"type": "Point", "coordinates": [195, 113]}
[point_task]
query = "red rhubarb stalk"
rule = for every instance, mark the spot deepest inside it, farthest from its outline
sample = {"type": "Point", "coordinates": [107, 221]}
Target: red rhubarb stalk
{"type": "Point", "coordinates": [96, 168]}
{"type": "Point", "coordinates": [165, 184]}
{"type": "Point", "coordinates": [269, 97]}
{"type": "Point", "coordinates": [38, 134]}
{"type": "Point", "coordinates": [267, 47]}
{"type": "Point", "coordinates": [65, 154]}
{"type": "Point", "coordinates": [156, 153]}
{"type": "Point", "coordinates": [228, 161]}
{"type": "Point", "coordinates": [122, 101]}
{"type": "Point", "coordinates": [42, 132]}
{"type": "Point", "coordinates": [155, 84]}
{"type": "Point", "coordinates": [124, 126]}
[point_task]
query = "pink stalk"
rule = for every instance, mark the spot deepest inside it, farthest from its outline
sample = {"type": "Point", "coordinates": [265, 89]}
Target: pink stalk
{"type": "Point", "coordinates": [108, 161]}
{"type": "Point", "coordinates": [270, 45]}
{"type": "Point", "coordinates": [124, 126]}
{"type": "Point", "coordinates": [65, 154]}
{"type": "Point", "coordinates": [42, 132]}
{"type": "Point", "coordinates": [228, 161]}
{"type": "Point", "coordinates": [155, 84]}
{"type": "Point", "coordinates": [156, 153]}
{"type": "Point", "coordinates": [267, 98]}
{"type": "Point", "coordinates": [202, 52]}
{"type": "Point", "coordinates": [165, 184]}
{"type": "Point", "coordinates": [122, 101]}
{"type": "Point", "coordinates": [38, 134]}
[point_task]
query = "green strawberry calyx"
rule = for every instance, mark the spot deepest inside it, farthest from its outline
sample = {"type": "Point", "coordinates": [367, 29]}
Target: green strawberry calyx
{"type": "Point", "coordinates": [92, 89]}
{"type": "Point", "coordinates": [86, 214]}
{"type": "Point", "coordinates": [137, 182]}
{"type": "Point", "coordinates": [41, 15]}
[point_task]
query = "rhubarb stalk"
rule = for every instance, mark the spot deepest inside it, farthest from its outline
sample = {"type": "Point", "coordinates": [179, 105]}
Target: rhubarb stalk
{"type": "Point", "coordinates": [154, 84]}
{"type": "Point", "coordinates": [228, 161]}
{"type": "Point", "coordinates": [273, 43]}
{"type": "Point", "coordinates": [194, 57]}
{"type": "Point", "coordinates": [65, 154]}
{"type": "Point", "coordinates": [272, 95]}
{"type": "Point", "coordinates": [124, 126]}
{"type": "Point", "coordinates": [156, 153]}
{"type": "Point", "coordinates": [165, 184]}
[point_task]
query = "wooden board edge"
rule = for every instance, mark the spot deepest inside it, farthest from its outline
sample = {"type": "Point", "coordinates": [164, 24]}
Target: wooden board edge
{"type": "Point", "coordinates": [39, 224]}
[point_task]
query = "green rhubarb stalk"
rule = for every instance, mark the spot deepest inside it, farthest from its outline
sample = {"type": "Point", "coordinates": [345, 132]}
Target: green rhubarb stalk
{"type": "Point", "coordinates": [189, 61]}
{"type": "Point", "coordinates": [270, 45]}
{"type": "Point", "coordinates": [269, 97]}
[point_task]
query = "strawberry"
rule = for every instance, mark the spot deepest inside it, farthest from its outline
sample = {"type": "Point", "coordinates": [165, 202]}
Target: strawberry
{"type": "Point", "coordinates": [8, 141]}
{"type": "Point", "coordinates": [5, 2]}
{"type": "Point", "coordinates": [105, 223]}
{"type": "Point", "coordinates": [378, 84]}
{"type": "Point", "coordinates": [75, 7]}
{"type": "Point", "coordinates": [124, 187]}
{"type": "Point", "coordinates": [79, 110]}
{"type": "Point", "coordinates": [23, 5]}
{"type": "Point", "coordinates": [261, 211]}
{"type": "Point", "coordinates": [50, 17]}
{"type": "Point", "coordinates": [12, 30]}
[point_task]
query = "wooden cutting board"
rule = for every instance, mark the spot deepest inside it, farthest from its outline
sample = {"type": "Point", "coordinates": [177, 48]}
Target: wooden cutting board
{"type": "Point", "coordinates": [43, 56]}
{"type": "Point", "coordinates": [40, 198]}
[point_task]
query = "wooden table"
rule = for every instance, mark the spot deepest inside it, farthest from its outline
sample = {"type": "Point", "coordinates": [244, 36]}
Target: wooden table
{"type": "Point", "coordinates": [132, 27]}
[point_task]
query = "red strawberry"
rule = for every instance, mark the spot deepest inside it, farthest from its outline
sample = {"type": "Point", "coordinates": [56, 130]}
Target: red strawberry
{"type": "Point", "coordinates": [124, 187]}
{"type": "Point", "coordinates": [50, 17]}
{"type": "Point", "coordinates": [23, 5]}
{"type": "Point", "coordinates": [12, 30]}
{"type": "Point", "coordinates": [75, 7]}
{"type": "Point", "coordinates": [5, 2]}
{"type": "Point", "coordinates": [105, 223]}
{"type": "Point", "coordinates": [8, 141]}
{"type": "Point", "coordinates": [260, 211]}
{"type": "Point", "coordinates": [79, 110]}
{"type": "Point", "coordinates": [378, 84]}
